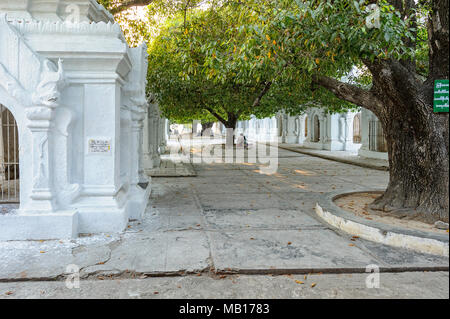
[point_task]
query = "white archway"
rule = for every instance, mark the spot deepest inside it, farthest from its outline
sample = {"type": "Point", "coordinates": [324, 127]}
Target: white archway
{"type": "Point", "coordinates": [9, 158]}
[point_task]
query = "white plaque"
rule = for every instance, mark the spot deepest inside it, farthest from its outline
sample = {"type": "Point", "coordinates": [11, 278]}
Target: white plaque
{"type": "Point", "coordinates": [99, 146]}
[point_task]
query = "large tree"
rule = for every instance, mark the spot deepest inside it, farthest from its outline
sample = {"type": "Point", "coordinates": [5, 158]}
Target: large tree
{"type": "Point", "coordinates": [401, 96]}
{"type": "Point", "coordinates": [403, 56]}
{"type": "Point", "coordinates": [314, 44]}
{"type": "Point", "coordinates": [199, 68]}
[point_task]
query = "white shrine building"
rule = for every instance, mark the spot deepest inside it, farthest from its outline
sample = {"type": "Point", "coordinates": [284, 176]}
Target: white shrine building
{"type": "Point", "coordinates": [358, 132]}
{"type": "Point", "coordinates": [73, 105]}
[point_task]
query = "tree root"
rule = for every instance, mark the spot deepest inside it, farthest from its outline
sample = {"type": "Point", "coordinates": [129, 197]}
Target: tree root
{"type": "Point", "coordinates": [398, 207]}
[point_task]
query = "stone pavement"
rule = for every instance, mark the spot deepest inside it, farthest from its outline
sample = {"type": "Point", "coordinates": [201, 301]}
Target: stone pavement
{"type": "Point", "coordinates": [228, 219]}
{"type": "Point", "coordinates": [420, 285]}
{"type": "Point", "coordinates": [168, 168]}
{"type": "Point", "coordinates": [346, 157]}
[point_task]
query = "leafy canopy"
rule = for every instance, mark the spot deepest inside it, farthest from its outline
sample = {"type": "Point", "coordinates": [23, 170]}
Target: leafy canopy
{"type": "Point", "coordinates": [205, 67]}
{"type": "Point", "coordinates": [221, 55]}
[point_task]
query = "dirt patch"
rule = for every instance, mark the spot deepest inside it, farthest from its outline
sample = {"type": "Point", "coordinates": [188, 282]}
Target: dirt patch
{"type": "Point", "coordinates": [358, 204]}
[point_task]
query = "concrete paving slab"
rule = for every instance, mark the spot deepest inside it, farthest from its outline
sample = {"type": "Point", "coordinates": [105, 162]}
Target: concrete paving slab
{"type": "Point", "coordinates": [169, 168]}
{"type": "Point", "coordinates": [348, 170]}
{"type": "Point", "coordinates": [49, 259]}
{"type": "Point", "coordinates": [232, 180]}
{"type": "Point", "coordinates": [340, 156]}
{"type": "Point", "coordinates": [266, 250]}
{"type": "Point", "coordinates": [310, 184]}
{"type": "Point", "coordinates": [242, 201]}
{"type": "Point", "coordinates": [395, 257]}
{"type": "Point", "coordinates": [238, 187]}
{"type": "Point", "coordinates": [303, 201]}
{"type": "Point", "coordinates": [156, 253]}
{"type": "Point", "coordinates": [229, 219]}
{"type": "Point", "coordinates": [219, 173]}
{"type": "Point", "coordinates": [367, 181]}
{"type": "Point", "coordinates": [417, 285]}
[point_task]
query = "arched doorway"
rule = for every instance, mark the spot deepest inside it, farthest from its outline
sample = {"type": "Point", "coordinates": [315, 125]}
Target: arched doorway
{"type": "Point", "coordinates": [357, 129]}
{"type": "Point", "coordinates": [9, 158]}
{"type": "Point", "coordinates": [316, 135]}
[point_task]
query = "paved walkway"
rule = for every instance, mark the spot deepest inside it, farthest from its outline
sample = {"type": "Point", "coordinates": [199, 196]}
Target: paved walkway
{"type": "Point", "coordinates": [228, 219]}
{"type": "Point", "coordinates": [346, 157]}
{"type": "Point", "coordinates": [169, 168]}
{"type": "Point", "coordinates": [420, 285]}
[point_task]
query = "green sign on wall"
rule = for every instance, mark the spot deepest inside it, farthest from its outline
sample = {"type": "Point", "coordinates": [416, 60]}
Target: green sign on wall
{"type": "Point", "coordinates": [440, 98]}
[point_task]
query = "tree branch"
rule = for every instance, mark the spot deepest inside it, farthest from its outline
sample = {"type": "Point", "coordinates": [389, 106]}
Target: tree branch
{"type": "Point", "coordinates": [124, 5]}
{"type": "Point", "coordinates": [268, 85]}
{"type": "Point", "coordinates": [263, 92]}
{"type": "Point", "coordinates": [217, 116]}
{"type": "Point", "coordinates": [349, 92]}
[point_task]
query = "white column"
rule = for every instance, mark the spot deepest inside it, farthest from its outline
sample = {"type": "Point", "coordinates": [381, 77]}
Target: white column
{"type": "Point", "coordinates": [322, 129]}
{"type": "Point", "coordinates": [42, 198]}
{"type": "Point", "coordinates": [301, 128]}
{"type": "Point", "coordinates": [348, 145]}
{"type": "Point", "coordinates": [291, 135]}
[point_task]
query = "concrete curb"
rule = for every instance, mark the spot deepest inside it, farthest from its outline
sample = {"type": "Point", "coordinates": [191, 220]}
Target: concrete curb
{"type": "Point", "coordinates": [423, 242]}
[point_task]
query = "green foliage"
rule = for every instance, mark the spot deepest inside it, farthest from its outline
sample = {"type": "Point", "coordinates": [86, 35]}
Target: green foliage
{"type": "Point", "coordinates": [220, 55]}
{"type": "Point", "coordinates": [204, 66]}
{"type": "Point", "coordinates": [327, 38]}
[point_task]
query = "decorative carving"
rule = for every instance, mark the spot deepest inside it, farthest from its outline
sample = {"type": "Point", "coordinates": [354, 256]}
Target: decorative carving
{"type": "Point", "coordinates": [84, 28]}
{"type": "Point", "coordinates": [51, 81]}
{"type": "Point", "coordinates": [48, 90]}
{"type": "Point", "coordinates": [13, 87]}
{"type": "Point", "coordinates": [41, 178]}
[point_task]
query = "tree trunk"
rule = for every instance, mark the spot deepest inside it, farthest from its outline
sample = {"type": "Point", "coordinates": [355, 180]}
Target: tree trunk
{"type": "Point", "coordinates": [419, 166]}
{"type": "Point", "coordinates": [418, 145]}
{"type": "Point", "coordinates": [417, 138]}
{"type": "Point", "coordinates": [230, 127]}
{"type": "Point", "coordinates": [206, 128]}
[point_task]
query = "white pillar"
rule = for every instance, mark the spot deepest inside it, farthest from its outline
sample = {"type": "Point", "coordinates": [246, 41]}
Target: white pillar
{"type": "Point", "coordinates": [291, 134]}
